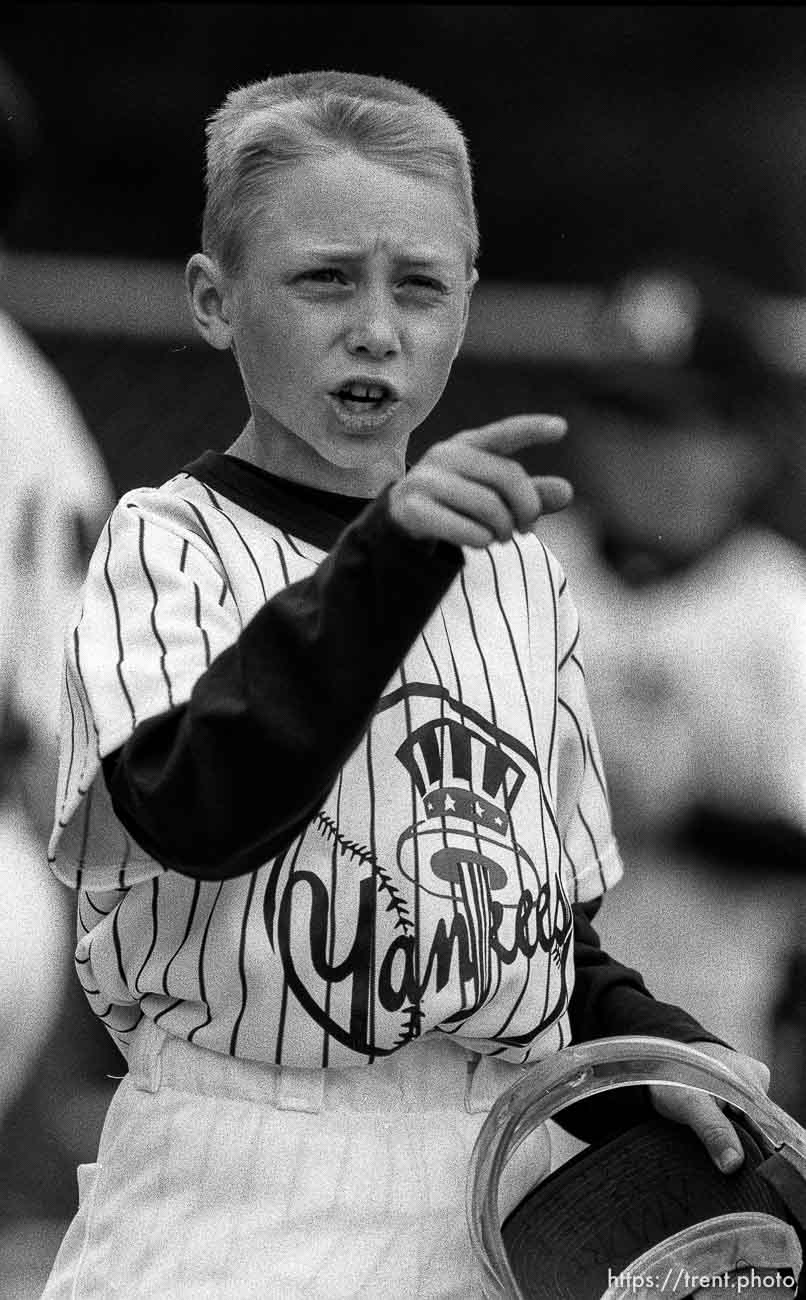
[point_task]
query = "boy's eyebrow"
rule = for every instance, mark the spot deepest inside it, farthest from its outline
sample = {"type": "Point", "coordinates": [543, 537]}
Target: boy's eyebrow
{"type": "Point", "coordinates": [349, 253]}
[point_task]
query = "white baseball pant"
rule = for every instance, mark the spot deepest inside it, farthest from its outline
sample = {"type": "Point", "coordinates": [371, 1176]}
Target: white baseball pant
{"type": "Point", "coordinates": [220, 1179]}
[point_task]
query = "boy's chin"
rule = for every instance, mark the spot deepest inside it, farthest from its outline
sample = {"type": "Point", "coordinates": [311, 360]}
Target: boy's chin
{"type": "Point", "coordinates": [364, 463]}
{"type": "Point", "coordinates": [363, 449]}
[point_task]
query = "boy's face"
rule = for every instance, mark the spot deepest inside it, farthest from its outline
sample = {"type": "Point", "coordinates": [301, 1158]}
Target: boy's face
{"type": "Point", "coordinates": [347, 317]}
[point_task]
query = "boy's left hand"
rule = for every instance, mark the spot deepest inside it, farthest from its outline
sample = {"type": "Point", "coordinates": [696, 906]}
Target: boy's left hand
{"type": "Point", "coordinates": [703, 1114]}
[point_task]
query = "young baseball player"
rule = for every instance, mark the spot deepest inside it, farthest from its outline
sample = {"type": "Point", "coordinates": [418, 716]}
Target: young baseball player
{"type": "Point", "coordinates": [330, 792]}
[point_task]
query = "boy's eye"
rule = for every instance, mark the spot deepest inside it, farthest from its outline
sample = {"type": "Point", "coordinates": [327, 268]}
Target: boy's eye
{"type": "Point", "coordinates": [425, 282]}
{"type": "Point", "coordinates": [325, 275]}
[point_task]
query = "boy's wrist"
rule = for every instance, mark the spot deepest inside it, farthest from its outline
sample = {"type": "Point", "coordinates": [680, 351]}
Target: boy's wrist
{"type": "Point", "coordinates": [629, 1010]}
{"type": "Point", "coordinates": [408, 543]}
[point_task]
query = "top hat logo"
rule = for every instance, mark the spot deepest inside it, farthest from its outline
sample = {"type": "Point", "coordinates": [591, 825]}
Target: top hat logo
{"type": "Point", "coordinates": [463, 847]}
{"type": "Point", "coordinates": [468, 787]}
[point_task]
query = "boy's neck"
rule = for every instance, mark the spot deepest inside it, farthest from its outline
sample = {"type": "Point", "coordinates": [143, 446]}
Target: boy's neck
{"type": "Point", "coordinates": [249, 446]}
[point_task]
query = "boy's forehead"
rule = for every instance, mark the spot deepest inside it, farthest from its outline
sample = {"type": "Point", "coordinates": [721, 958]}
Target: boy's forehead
{"type": "Point", "coordinates": [412, 245]}
{"type": "Point", "coordinates": [346, 207]}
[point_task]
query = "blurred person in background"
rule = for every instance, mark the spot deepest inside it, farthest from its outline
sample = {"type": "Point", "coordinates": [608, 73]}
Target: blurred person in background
{"type": "Point", "coordinates": [697, 610]}
{"type": "Point", "coordinates": [54, 498]}
{"type": "Point", "coordinates": [694, 607]}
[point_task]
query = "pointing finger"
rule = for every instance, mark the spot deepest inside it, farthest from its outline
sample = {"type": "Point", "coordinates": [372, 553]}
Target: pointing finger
{"type": "Point", "coordinates": [516, 432]}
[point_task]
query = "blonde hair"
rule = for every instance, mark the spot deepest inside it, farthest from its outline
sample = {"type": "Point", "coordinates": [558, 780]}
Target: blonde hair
{"type": "Point", "coordinates": [267, 126]}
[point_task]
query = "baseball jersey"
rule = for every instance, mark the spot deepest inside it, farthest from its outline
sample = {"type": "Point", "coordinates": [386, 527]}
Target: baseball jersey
{"type": "Point", "coordinates": [324, 787]}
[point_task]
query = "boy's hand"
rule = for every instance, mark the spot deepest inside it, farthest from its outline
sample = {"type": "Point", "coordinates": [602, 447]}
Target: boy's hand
{"type": "Point", "coordinates": [468, 490]}
{"type": "Point", "coordinates": [703, 1114]}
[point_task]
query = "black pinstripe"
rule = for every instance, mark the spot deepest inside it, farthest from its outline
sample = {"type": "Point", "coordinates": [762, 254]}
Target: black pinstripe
{"type": "Point", "coordinates": [454, 899]}
{"type": "Point", "coordinates": [332, 918]}
{"type": "Point", "coordinates": [240, 537]}
{"type": "Point", "coordinates": [278, 1052]}
{"type": "Point", "coordinates": [188, 927]}
{"type": "Point", "coordinates": [118, 946]}
{"type": "Point", "coordinates": [154, 931]}
{"type": "Point", "coordinates": [404, 695]}
{"type": "Point", "coordinates": [155, 600]}
{"type": "Point", "coordinates": [233, 1046]}
{"type": "Point", "coordinates": [202, 983]}
{"type": "Point", "coordinates": [597, 772]}
{"type": "Point", "coordinates": [554, 603]}
{"type": "Point", "coordinates": [202, 629]}
{"type": "Point", "coordinates": [116, 608]}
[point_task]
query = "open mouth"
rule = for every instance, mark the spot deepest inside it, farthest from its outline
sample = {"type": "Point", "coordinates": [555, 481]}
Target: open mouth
{"type": "Point", "coordinates": [364, 397]}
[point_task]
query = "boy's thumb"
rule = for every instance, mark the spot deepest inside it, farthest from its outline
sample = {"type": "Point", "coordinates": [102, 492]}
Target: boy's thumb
{"type": "Point", "coordinates": [717, 1134]}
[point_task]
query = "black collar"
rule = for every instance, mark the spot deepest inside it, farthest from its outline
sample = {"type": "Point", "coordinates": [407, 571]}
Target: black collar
{"type": "Point", "coordinates": [308, 513]}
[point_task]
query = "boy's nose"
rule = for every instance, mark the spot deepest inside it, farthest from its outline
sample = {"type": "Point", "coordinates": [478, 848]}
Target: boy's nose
{"type": "Point", "coordinates": [373, 332]}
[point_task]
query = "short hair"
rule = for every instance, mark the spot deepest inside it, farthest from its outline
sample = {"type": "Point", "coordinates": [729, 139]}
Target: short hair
{"type": "Point", "coordinates": [276, 123]}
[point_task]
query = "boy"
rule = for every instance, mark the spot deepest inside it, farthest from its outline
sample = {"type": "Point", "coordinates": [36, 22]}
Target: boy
{"type": "Point", "coordinates": [330, 792]}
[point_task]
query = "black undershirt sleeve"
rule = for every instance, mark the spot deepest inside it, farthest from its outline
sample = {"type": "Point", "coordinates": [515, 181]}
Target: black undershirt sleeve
{"type": "Point", "coordinates": [216, 787]}
{"type": "Point", "coordinates": [611, 1000]}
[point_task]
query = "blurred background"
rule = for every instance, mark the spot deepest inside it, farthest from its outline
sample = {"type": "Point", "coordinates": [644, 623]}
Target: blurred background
{"type": "Point", "coordinates": [641, 180]}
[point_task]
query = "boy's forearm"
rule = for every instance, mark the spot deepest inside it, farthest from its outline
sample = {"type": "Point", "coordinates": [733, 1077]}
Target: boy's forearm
{"type": "Point", "coordinates": [217, 786]}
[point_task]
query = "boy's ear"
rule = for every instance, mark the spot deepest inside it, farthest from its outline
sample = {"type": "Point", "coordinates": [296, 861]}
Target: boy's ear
{"type": "Point", "coordinates": [209, 300]}
{"type": "Point", "coordinates": [472, 281]}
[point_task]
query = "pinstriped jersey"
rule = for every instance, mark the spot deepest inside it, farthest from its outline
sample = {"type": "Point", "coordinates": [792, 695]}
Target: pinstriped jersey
{"type": "Point", "coordinates": [432, 887]}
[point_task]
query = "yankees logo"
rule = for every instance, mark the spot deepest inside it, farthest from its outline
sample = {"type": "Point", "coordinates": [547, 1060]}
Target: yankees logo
{"type": "Point", "coordinates": [456, 902]}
